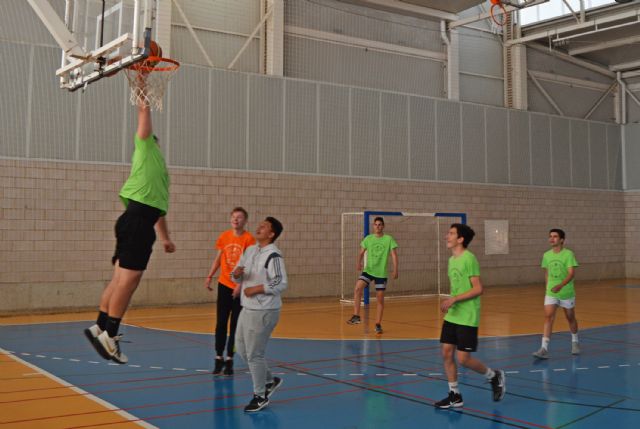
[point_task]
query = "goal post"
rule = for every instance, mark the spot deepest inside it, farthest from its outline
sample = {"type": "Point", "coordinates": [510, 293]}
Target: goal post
{"type": "Point", "coordinates": [421, 250]}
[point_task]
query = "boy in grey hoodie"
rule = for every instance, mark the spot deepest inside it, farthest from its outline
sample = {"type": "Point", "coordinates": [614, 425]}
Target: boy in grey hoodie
{"type": "Point", "coordinates": [261, 278]}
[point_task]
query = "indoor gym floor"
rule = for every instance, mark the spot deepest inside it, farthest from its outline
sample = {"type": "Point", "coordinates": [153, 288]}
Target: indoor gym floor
{"type": "Point", "coordinates": [335, 375]}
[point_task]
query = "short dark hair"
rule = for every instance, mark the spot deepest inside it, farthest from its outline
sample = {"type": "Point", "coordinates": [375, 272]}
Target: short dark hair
{"type": "Point", "coordinates": [241, 210]}
{"type": "Point", "coordinates": [379, 218]}
{"type": "Point", "coordinates": [465, 232]}
{"type": "Point", "coordinates": [558, 231]}
{"type": "Point", "coordinates": [276, 227]}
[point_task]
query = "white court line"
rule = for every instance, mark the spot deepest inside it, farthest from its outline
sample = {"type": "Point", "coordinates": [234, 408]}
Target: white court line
{"type": "Point", "coordinates": [382, 375]}
{"type": "Point", "coordinates": [560, 369]}
{"type": "Point", "coordinates": [537, 370]}
{"type": "Point", "coordinates": [56, 358]}
{"type": "Point", "coordinates": [409, 375]}
{"type": "Point", "coordinates": [130, 417]}
{"type": "Point", "coordinates": [581, 368]}
{"type": "Point", "coordinates": [512, 372]}
{"type": "Point", "coordinates": [40, 356]}
{"type": "Point", "coordinates": [435, 373]}
{"type": "Point", "coordinates": [330, 374]}
{"type": "Point", "coordinates": [179, 369]}
{"type": "Point", "coordinates": [156, 367]}
{"type": "Point", "coordinates": [604, 366]}
{"type": "Point", "coordinates": [93, 361]}
{"type": "Point", "coordinates": [74, 360]}
{"type": "Point", "coordinates": [624, 365]}
{"type": "Point", "coordinates": [134, 366]}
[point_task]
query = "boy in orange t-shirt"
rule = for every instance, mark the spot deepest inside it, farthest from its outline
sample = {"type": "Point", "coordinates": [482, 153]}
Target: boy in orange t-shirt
{"type": "Point", "coordinates": [230, 245]}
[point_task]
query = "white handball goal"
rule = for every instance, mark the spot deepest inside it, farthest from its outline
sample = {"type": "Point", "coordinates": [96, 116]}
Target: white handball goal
{"type": "Point", "coordinates": [422, 252]}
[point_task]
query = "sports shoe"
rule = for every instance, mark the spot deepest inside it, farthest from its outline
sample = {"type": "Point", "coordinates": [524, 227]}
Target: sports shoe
{"type": "Point", "coordinates": [273, 386]}
{"type": "Point", "coordinates": [454, 400]}
{"type": "Point", "coordinates": [219, 364]}
{"type": "Point", "coordinates": [378, 328]}
{"type": "Point", "coordinates": [575, 348]}
{"type": "Point", "coordinates": [498, 385]}
{"type": "Point", "coordinates": [92, 333]}
{"type": "Point", "coordinates": [354, 320]}
{"type": "Point", "coordinates": [111, 346]}
{"type": "Point", "coordinates": [228, 367]}
{"type": "Point", "coordinates": [256, 404]}
{"type": "Point", "coordinates": [541, 354]}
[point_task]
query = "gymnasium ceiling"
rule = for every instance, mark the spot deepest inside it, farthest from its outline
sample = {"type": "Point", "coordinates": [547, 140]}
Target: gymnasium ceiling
{"type": "Point", "coordinates": [608, 37]}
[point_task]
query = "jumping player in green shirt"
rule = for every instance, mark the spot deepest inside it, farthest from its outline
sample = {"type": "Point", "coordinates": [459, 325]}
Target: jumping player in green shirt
{"type": "Point", "coordinates": [378, 246]}
{"type": "Point", "coordinates": [559, 264]}
{"type": "Point", "coordinates": [145, 196]}
{"type": "Point", "coordinates": [462, 318]}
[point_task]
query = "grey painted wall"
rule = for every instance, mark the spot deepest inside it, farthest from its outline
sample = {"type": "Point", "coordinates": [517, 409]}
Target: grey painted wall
{"type": "Point", "coordinates": [220, 119]}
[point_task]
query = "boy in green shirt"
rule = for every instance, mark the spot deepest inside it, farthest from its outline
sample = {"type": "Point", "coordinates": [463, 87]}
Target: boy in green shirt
{"type": "Point", "coordinates": [378, 246]}
{"type": "Point", "coordinates": [462, 317]}
{"type": "Point", "coordinates": [145, 195]}
{"type": "Point", "coordinates": [559, 264]}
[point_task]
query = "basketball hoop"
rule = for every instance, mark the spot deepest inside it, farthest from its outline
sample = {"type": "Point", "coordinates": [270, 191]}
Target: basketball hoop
{"type": "Point", "coordinates": [498, 13]}
{"type": "Point", "coordinates": [148, 80]}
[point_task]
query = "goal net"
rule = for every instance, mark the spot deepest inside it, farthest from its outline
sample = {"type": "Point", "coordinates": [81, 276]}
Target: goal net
{"type": "Point", "coordinates": [422, 252]}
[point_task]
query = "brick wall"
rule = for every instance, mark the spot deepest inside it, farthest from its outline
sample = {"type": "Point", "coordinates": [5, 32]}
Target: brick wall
{"type": "Point", "coordinates": [57, 218]}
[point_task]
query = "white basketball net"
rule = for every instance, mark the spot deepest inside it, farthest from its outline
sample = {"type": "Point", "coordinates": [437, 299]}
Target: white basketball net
{"type": "Point", "coordinates": [148, 81]}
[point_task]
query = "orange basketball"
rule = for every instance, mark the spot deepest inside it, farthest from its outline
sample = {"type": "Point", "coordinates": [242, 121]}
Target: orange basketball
{"type": "Point", "coordinates": [496, 1]}
{"type": "Point", "coordinates": [154, 51]}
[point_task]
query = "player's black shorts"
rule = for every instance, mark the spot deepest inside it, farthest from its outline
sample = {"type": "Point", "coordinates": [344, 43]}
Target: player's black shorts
{"type": "Point", "coordinates": [135, 236]}
{"type": "Point", "coordinates": [381, 282]}
{"type": "Point", "coordinates": [464, 337]}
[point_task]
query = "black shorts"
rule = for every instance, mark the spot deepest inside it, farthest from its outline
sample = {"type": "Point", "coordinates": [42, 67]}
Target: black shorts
{"type": "Point", "coordinates": [135, 236]}
{"type": "Point", "coordinates": [381, 282]}
{"type": "Point", "coordinates": [465, 337]}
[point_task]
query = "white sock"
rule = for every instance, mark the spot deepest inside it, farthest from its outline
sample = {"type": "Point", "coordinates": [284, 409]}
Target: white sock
{"type": "Point", "coordinates": [453, 387]}
{"type": "Point", "coordinates": [574, 337]}
{"type": "Point", "coordinates": [489, 374]}
{"type": "Point", "coordinates": [545, 343]}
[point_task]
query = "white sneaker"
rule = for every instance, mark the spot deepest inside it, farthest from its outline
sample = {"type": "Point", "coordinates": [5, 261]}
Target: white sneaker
{"type": "Point", "coordinates": [112, 347]}
{"type": "Point", "coordinates": [575, 348]}
{"type": "Point", "coordinates": [541, 354]}
{"type": "Point", "coordinates": [93, 331]}
{"type": "Point", "coordinates": [92, 334]}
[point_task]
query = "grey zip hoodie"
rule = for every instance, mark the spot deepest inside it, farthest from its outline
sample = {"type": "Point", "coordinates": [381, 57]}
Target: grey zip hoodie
{"type": "Point", "coordinates": [273, 277]}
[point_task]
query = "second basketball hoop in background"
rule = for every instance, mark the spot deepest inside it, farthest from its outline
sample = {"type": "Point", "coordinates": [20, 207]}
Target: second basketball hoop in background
{"type": "Point", "coordinates": [148, 79]}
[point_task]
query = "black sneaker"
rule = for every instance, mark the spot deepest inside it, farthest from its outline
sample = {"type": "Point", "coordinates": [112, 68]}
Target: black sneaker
{"type": "Point", "coordinates": [354, 320]}
{"type": "Point", "coordinates": [378, 328]}
{"type": "Point", "coordinates": [498, 385]}
{"type": "Point", "coordinates": [228, 367]}
{"type": "Point", "coordinates": [217, 370]}
{"type": "Point", "coordinates": [256, 404]}
{"type": "Point", "coordinates": [454, 400]}
{"type": "Point", "coordinates": [273, 386]}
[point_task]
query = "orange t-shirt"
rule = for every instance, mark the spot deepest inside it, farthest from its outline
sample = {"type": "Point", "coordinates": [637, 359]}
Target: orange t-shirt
{"type": "Point", "coordinates": [232, 248]}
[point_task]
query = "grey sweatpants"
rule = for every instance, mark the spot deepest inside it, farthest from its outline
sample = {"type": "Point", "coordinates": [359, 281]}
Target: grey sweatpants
{"type": "Point", "coordinates": [253, 331]}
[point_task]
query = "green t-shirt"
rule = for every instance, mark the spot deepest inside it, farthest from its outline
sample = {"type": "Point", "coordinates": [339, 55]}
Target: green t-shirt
{"type": "Point", "coordinates": [378, 249]}
{"type": "Point", "coordinates": [148, 182]}
{"type": "Point", "coordinates": [557, 266]}
{"type": "Point", "coordinates": [461, 269]}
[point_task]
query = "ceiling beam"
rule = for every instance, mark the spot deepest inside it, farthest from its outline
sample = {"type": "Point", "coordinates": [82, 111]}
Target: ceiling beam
{"type": "Point", "coordinates": [631, 65]}
{"type": "Point", "coordinates": [487, 15]}
{"type": "Point", "coordinates": [560, 29]}
{"type": "Point", "coordinates": [605, 45]}
{"type": "Point", "coordinates": [397, 6]}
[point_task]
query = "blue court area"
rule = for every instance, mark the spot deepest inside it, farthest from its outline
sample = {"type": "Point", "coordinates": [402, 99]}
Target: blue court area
{"type": "Point", "coordinates": [347, 384]}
